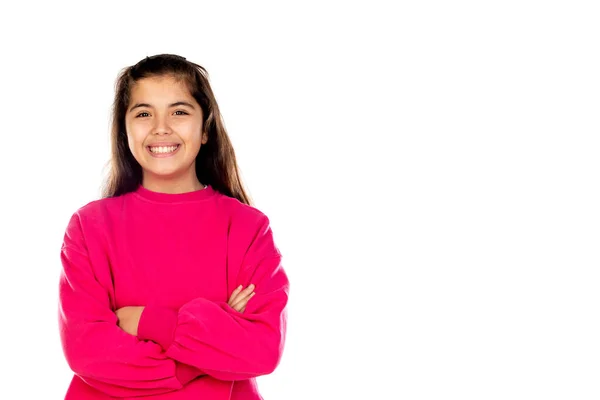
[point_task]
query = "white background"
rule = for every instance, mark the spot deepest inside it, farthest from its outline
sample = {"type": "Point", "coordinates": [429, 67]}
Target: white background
{"type": "Point", "coordinates": [430, 169]}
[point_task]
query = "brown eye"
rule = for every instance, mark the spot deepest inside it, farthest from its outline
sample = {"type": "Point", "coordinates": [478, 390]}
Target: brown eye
{"type": "Point", "coordinates": [183, 112]}
{"type": "Point", "coordinates": [141, 114]}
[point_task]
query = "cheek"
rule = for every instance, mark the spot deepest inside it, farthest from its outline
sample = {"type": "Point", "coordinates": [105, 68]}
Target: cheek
{"type": "Point", "coordinates": [192, 137]}
{"type": "Point", "coordinates": [135, 136]}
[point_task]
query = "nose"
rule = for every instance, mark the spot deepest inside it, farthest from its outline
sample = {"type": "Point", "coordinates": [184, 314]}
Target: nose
{"type": "Point", "coordinates": [161, 126]}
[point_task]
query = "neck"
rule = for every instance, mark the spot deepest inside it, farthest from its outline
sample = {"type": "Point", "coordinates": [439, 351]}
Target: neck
{"type": "Point", "coordinates": [171, 186]}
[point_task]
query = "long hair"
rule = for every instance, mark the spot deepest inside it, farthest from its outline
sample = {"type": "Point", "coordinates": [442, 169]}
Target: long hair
{"type": "Point", "coordinates": [216, 163]}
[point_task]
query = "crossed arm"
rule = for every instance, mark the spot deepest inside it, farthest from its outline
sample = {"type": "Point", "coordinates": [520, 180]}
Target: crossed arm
{"type": "Point", "coordinates": [154, 350]}
{"type": "Point", "coordinates": [129, 317]}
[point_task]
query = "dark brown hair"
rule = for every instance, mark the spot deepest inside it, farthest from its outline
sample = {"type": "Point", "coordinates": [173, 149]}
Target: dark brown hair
{"type": "Point", "coordinates": [215, 163]}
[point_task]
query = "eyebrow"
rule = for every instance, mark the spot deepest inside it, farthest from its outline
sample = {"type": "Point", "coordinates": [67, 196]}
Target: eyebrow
{"type": "Point", "coordinates": [178, 103]}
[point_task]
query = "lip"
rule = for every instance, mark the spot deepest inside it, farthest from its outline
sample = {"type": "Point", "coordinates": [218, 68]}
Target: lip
{"type": "Point", "coordinates": [166, 144]}
{"type": "Point", "coordinates": [160, 155]}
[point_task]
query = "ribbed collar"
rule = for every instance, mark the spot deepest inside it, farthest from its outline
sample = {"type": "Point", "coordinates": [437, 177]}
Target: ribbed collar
{"type": "Point", "coordinates": [172, 198]}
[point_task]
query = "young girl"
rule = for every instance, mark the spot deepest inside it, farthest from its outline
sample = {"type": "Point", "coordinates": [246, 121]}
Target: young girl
{"type": "Point", "coordinates": [172, 286]}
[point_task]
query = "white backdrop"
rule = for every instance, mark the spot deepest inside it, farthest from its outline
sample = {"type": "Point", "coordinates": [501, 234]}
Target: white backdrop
{"type": "Point", "coordinates": [430, 169]}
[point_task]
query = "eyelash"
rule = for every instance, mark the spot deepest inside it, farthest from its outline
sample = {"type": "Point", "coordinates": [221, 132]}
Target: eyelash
{"type": "Point", "coordinates": [140, 114]}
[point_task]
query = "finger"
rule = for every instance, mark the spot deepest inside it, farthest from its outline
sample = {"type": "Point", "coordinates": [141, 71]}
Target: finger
{"type": "Point", "coordinates": [243, 302]}
{"type": "Point", "coordinates": [239, 307]}
{"type": "Point", "coordinates": [238, 293]}
{"type": "Point", "coordinates": [234, 294]}
{"type": "Point", "coordinates": [241, 295]}
{"type": "Point", "coordinates": [246, 292]}
{"type": "Point", "coordinates": [240, 304]}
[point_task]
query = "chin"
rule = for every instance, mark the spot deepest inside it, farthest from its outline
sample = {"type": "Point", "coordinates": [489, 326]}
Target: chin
{"type": "Point", "coordinates": [164, 173]}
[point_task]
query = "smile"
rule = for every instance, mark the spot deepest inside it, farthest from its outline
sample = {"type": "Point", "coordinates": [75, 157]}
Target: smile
{"type": "Point", "coordinates": [163, 151]}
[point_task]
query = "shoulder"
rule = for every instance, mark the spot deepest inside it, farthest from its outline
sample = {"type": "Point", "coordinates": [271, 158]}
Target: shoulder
{"type": "Point", "coordinates": [249, 227]}
{"type": "Point", "coordinates": [96, 208]}
{"type": "Point", "coordinates": [242, 214]}
{"type": "Point", "coordinates": [94, 213]}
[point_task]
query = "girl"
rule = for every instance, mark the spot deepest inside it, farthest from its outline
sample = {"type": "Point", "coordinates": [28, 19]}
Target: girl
{"type": "Point", "coordinates": [171, 286]}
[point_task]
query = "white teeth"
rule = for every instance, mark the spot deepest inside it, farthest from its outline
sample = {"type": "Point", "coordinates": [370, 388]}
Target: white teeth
{"type": "Point", "coordinates": [163, 149]}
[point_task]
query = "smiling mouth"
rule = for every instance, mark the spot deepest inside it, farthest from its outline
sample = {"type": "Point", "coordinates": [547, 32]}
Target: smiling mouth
{"type": "Point", "coordinates": [163, 149]}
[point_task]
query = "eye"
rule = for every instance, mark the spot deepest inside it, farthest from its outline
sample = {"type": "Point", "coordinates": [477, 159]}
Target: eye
{"type": "Point", "coordinates": [141, 114]}
{"type": "Point", "coordinates": [182, 112]}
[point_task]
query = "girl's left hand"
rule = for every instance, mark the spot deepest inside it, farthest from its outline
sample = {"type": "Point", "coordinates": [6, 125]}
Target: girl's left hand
{"type": "Point", "coordinates": [239, 298]}
{"type": "Point", "coordinates": [129, 319]}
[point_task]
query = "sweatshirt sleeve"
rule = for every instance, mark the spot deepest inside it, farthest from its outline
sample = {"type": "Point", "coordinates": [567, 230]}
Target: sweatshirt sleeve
{"type": "Point", "coordinates": [215, 338]}
{"type": "Point", "coordinates": [96, 349]}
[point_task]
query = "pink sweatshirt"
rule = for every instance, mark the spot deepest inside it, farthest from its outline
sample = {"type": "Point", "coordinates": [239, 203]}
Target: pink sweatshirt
{"type": "Point", "coordinates": [181, 256]}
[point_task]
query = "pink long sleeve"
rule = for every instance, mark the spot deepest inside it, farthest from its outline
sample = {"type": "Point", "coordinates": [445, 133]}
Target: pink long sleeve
{"type": "Point", "coordinates": [213, 337]}
{"type": "Point", "coordinates": [96, 349]}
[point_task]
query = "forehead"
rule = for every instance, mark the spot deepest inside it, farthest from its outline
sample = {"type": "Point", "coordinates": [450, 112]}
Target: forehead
{"type": "Point", "coordinates": [159, 87]}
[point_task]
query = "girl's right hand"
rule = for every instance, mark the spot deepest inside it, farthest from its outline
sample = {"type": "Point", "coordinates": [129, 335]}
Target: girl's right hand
{"type": "Point", "coordinates": [239, 298]}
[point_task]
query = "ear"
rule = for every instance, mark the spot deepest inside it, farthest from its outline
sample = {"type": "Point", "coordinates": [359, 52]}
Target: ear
{"type": "Point", "coordinates": [204, 137]}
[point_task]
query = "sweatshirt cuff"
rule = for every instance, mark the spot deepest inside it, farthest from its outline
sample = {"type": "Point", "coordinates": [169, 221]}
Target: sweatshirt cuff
{"type": "Point", "coordinates": [158, 324]}
{"type": "Point", "coordinates": [186, 373]}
